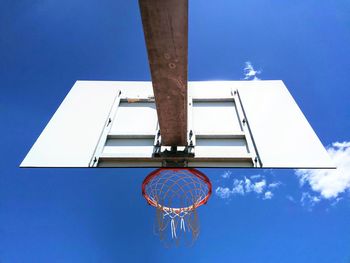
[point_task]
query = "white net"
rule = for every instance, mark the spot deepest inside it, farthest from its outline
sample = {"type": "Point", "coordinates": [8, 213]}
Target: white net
{"type": "Point", "coordinates": [176, 193]}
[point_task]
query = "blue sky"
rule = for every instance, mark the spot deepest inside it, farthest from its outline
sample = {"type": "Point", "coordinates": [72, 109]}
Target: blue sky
{"type": "Point", "coordinates": [82, 215]}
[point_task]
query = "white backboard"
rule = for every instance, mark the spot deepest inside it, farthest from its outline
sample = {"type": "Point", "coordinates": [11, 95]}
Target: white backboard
{"type": "Point", "coordinates": [232, 124]}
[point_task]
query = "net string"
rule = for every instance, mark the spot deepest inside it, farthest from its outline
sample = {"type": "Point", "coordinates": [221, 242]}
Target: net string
{"type": "Point", "coordinates": [176, 195]}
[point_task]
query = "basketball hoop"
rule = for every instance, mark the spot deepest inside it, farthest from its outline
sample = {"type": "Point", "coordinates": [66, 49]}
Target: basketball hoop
{"type": "Point", "coordinates": [176, 193]}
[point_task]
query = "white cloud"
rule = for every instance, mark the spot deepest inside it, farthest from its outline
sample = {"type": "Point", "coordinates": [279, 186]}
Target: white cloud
{"type": "Point", "coordinates": [226, 174]}
{"type": "Point", "coordinates": [290, 198]}
{"type": "Point", "coordinates": [246, 186]}
{"type": "Point", "coordinates": [223, 192]}
{"type": "Point", "coordinates": [256, 176]}
{"type": "Point", "coordinates": [249, 72]}
{"type": "Point", "coordinates": [259, 186]}
{"type": "Point", "coordinates": [268, 195]}
{"type": "Point", "coordinates": [329, 183]}
{"type": "Point", "coordinates": [237, 187]}
{"type": "Point", "coordinates": [256, 187]}
{"type": "Point", "coordinates": [309, 200]}
{"type": "Point", "coordinates": [274, 185]}
{"type": "Point", "coordinates": [336, 201]}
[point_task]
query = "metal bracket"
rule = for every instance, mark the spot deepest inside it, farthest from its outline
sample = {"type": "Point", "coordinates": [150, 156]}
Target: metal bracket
{"type": "Point", "coordinates": [190, 147]}
{"type": "Point", "coordinates": [103, 137]}
{"type": "Point", "coordinates": [157, 146]}
{"type": "Point", "coordinates": [173, 157]}
{"type": "Point", "coordinates": [173, 152]}
{"type": "Point", "coordinates": [175, 163]}
{"type": "Point", "coordinates": [247, 130]}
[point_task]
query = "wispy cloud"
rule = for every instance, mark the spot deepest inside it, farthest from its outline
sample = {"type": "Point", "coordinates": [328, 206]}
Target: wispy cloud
{"type": "Point", "coordinates": [223, 192]}
{"type": "Point", "coordinates": [329, 184]}
{"type": "Point", "coordinates": [226, 174]}
{"type": "Point", "coordinates": [268, 195]}
{"type": "Point", "coordinates": [256, 176]}
{"type": "Point", "coordinates": [274, 185]}
{"type": "Point", "coordinates": [336, 201]}
{"type": "Point", "coordinates": [250, 73]}
{"type": "Point", "coordinates": [257, 187]}
{"type": "Point", "coordinates": [254, 184]}
{"type": "Point", "coordinates": [238, 187]}
{"type": "Point", "coordinates": [309, 201]}
{"type": "Point", "coordinates": [290, 198]}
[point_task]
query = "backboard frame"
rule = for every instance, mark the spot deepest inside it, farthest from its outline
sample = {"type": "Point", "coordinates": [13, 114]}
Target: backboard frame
{"type": "Point", "coordinates": [222, 148]}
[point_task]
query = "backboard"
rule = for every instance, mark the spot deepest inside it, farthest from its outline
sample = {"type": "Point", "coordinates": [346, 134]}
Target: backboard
{"type": "Point", "coordinates": [229, 124]}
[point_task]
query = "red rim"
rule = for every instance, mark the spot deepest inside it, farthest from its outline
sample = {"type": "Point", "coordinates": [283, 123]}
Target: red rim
{"type": "Point", "coordinates": [193, 171]}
